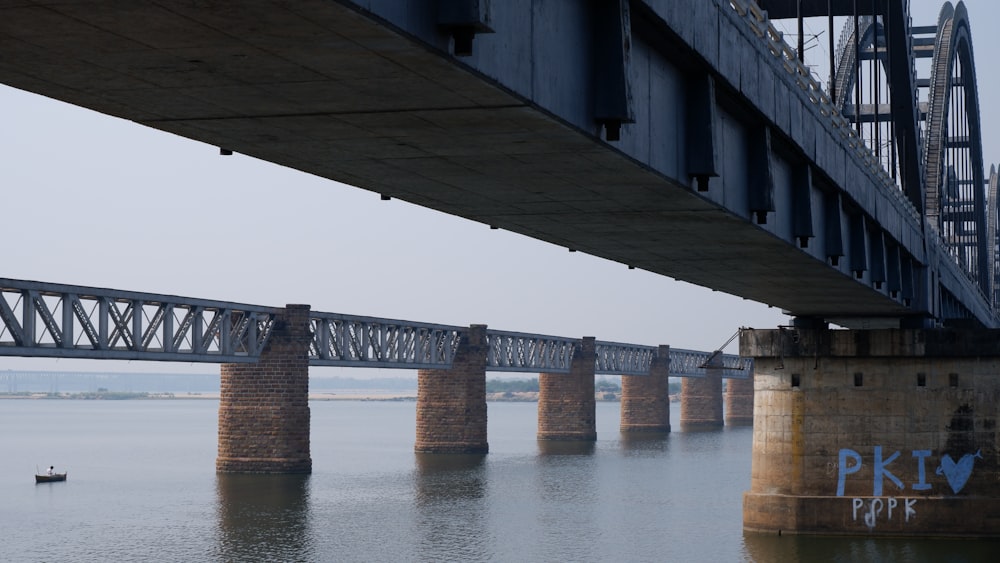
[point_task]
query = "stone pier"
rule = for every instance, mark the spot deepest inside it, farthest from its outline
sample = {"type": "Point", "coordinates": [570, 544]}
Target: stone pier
{"type": "Point", "coordinates": [881, 432]}
{"type": "Point", "coordinates": [739, 401]}
{"type": "Point", "coordinates": [701, 399]}
{"type": "Point", "coordinates": [264, 406]}
{"type": "Point", "coordinates": [566, 405]}
{"type": "Point", "coordinates": [645, 405]}
{"type": "Point", "coordinates": [451, 403]}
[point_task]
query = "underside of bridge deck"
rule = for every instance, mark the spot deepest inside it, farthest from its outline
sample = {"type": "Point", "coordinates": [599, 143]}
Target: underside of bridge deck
{"type": "Point", "coordinates": [320, 87]}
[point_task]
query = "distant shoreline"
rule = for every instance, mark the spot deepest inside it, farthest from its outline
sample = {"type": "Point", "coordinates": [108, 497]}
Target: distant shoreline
{"type": "Point", "coordinates": [519, 397]}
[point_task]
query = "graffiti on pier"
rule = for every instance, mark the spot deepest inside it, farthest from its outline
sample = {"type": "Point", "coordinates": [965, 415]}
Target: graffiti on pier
{"type": "Point", "coordinates": [883, 508]}
{"type": "Point", "coordinates": [957, 473]}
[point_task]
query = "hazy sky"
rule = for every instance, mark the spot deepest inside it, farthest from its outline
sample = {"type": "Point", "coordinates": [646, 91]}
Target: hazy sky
{"type": "Point", "coordinates": [94, 200]}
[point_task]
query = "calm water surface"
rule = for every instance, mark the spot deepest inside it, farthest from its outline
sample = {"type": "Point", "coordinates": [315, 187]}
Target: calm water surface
{"type": "Point", "coordinates": [142, 487]}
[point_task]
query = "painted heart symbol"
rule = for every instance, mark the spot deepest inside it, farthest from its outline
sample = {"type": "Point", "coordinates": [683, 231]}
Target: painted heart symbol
{"type": "Point", "coordinates": [957, 473]}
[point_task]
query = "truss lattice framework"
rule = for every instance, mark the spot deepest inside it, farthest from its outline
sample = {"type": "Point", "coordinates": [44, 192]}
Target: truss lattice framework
{"type": "Point", "coordinates": [691, 363]}
{"type": "Point", "coordinates": [514, 351]}
{"type": "Point", "coordinates": [55, 320]}
{"type": "Point", "coordinates": [354, 341]}
{"type": "Point", "coordinates": [623, 359]}
{"type": "Point", "coordinates": [629, 359]}
{"type": "Point", "coordinates": [51, 320]}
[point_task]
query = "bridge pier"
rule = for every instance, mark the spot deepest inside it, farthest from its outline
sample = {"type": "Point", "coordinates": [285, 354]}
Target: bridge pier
{"type": "Point", "coordinates": [567, 409]}
{"type": "Point", "coordinates": [645, 405]}
{"type": "Point", "coordinates": [881, 432]}
{"type": "Point", "coordinates": [739, 401]}
{"type": "Point", "coordinates": [451, 403]}
{"type": "Point", "coordinates": [264, 406]}
{"type": "Point", "coordinates": [701, 398]}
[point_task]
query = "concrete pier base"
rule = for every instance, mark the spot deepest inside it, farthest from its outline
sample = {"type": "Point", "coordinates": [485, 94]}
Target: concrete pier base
{"type": "Point", "coordinates": [451, 403]}
{"type": "Point", "coordinates": [888, 432]}
{"type": "Point", "coordinates": [738, 399]}
{"type": "Point", "coordinates": [701, 399]}
{"type": "Point", "coordinates": [264, 407]}
{"type": "Point", "coordinates": [645, 405]}
{"type": "Point", "coordinates": [567, 409]}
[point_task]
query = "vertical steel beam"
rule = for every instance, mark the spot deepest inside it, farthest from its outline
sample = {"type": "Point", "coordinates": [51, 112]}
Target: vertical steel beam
{"type": "Point", "coordinates": [68, 300]}
{"type": "Point", "coordinates": [876, 241]}
{"type": "Point", "coordinates": [28, 318]}
{"type": "Point", "coordinates": [760, 183]}
{"type": "Point", "coordinates": [137, 314]}
{"type": "Point", "coordinates": [833, 231]}
{"type": "Point", "coordinates": [612, 55]}
{"type": "Point", "coordinates": [802, 218]}
{"type": "Point", "coordinates": [858, 233]}
{"type": "Point", "coordinates": [700, 129]}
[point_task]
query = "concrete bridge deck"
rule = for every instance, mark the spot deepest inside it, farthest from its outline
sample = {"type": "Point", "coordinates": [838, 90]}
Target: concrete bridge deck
{"type": "Point", "coordinates": [369, 94]}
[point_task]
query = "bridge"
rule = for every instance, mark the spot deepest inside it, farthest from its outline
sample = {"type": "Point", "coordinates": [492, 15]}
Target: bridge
{"type": "Point", "coordinates": [683, 137]}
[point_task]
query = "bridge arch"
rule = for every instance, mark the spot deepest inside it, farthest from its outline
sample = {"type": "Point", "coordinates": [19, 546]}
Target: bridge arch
{"type": "Point", "coordinates": [993, 233]}
{"type": "Point", "coordinates": [954, 194]}
{"type": "Point", "coordinates": [872, 87]}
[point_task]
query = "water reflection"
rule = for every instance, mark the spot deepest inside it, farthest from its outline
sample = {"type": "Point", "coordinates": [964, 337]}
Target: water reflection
{"type": "Point", "coordinates": [452, 518]}
{"type": "Point", "coordinates": [566, 447]}
{"type": "Point", "coordinates": [263, 517]}
{"type": "Point", "coordinates": [449, 477]}
{"type": "Point", "coordinates": [565, 485]}
{"type": "Point", "coordinates": [644, 443]}
{"type": "Point", "coordinates": [771, 547]}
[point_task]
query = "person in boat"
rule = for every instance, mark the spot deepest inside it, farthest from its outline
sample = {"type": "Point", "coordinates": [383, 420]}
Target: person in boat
{"type": "Point", "coordinates": [52, 470]}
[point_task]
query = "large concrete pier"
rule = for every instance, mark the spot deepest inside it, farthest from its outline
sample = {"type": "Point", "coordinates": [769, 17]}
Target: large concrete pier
{"type": "Point", "coordinates": [883, 432]}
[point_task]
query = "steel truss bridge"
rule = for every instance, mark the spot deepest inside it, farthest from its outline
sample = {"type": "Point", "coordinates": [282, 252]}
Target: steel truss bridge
{"type": "Point", "coordinates": [66, 321]}
{"type": "Point", "coordinates": [683, 137]}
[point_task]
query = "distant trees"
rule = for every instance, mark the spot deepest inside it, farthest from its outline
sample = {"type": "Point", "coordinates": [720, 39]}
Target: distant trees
{"type": "Point", "coordinates": [512, 385]}
{"type": "Point", "coordinates": [531, 386]}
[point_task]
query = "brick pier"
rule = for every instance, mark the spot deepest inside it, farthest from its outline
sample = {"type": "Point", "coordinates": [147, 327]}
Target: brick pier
{"type": "Point", "coordinates": [451, 403]}
{"type": "Point", "coordinates": [264, 406]}
{"type": "Point", "coordinates": [566, 404]}
{"type": "Point", "coordinates": [645, 403]}
{"type": "Point", "coordinates": [739, 402]}
{"type": "Point", "coordinates": [701, 398]}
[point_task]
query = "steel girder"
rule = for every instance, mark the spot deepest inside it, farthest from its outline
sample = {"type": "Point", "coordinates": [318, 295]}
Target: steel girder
{"type": "Point", "coordinates": [355, 341]}
{"type": "Point", "coordinates": [53, 320]}
{"type": "Point", "coordinates": [691, 363]}
{"type": "Point", "coordinates": [515, 351]}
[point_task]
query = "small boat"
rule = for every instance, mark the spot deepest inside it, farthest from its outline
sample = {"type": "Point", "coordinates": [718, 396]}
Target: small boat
{"type": "Point", "coordinates": [50, 478]}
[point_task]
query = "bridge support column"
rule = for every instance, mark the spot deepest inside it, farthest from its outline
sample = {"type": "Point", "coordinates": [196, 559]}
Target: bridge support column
{"type": "Point", "coordinates": [701, 398]}
{"type": "Point", "coordinates": [646, 398]}
{"type": "Point", "coordinates": [451, 403]}
{"type": "Point", "coordinates": [882, 432]}
{"type": "Point", "coordinates": [739, 402]}
{"type": "Point", "coordinates": [264, 406]}
{"type": "Point", "coordinates": [567, 409]}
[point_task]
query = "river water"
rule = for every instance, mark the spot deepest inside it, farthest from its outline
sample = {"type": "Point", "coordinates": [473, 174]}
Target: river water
{"type": "Point", "coordinates": [142, 487]}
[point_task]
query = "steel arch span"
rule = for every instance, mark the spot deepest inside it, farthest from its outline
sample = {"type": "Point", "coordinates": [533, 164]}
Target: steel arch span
{"type": "Point", "coordinates": [954, 197]}
{"type": "Point", "coordinates": [874, 84]}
